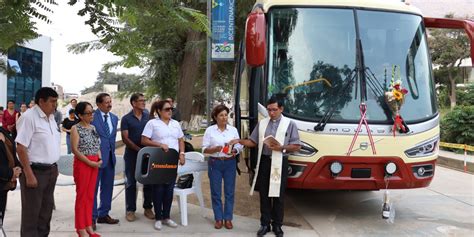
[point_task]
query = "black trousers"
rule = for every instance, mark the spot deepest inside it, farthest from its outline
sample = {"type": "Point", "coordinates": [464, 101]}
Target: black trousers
{"type": "Point", "coordinates": [271, 208]}
{"type": "Point", "coordinates": [3, 203]}
{"type": "Point", "coordinates": [37, 203]}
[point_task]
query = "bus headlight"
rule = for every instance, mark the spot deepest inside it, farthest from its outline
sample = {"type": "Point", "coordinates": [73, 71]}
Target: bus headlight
{"type": "Point", "coordinates": [335, 168]}
{"type": "Point", "coordinates": [306, 150]}
{"type": "Point", "coordinates": [426, 148]}
{"type": "Point", "coordinates": [390, 168]}
{"type": "Point", "coordinates": [295, 170]}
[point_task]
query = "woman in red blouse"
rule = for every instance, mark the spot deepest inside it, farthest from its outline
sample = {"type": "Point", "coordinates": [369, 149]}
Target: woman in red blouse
{"type": "Point", "coordinates": [9, 118]}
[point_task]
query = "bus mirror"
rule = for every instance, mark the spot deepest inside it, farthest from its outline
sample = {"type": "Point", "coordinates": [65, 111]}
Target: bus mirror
{"type": "Point", "coordinates": [255, 39]}
{"type": "Point", "coordinates": [448, 23]}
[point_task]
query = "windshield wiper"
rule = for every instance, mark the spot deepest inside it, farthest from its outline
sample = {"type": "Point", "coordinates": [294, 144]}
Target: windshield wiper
{"type": "Point", "coordinates": [323, 121]}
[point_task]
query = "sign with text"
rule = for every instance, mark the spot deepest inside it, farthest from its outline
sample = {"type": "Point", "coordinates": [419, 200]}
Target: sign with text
{"type": "Point", "coordinates": [222, 20]}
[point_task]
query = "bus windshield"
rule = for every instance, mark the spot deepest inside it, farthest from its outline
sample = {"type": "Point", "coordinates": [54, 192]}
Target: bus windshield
{"type": "Point", "coordinates": [312, 56]}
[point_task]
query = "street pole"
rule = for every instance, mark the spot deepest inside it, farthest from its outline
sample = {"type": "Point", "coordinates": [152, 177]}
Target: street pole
{"type": "Point", "coordinates": [208, 67]}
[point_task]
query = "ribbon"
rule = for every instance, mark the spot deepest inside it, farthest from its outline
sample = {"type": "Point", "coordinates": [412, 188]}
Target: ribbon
{"type": "Point", "coordinates": [363, 119]}
{"type": "Point", "coordinates": [398, 125]}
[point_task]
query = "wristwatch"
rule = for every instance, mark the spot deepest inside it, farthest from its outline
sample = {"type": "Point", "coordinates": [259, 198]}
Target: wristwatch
{"type": "Point", "coordinates": [283, 151]}
{"type": "Point", "coordinates": [181, 153]}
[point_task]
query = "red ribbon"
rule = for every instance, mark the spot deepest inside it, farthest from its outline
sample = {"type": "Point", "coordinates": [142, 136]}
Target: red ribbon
{"type": "Point", "coordinates": [363, 112]}
{"type": "Point", "coordinates": [398, 125]}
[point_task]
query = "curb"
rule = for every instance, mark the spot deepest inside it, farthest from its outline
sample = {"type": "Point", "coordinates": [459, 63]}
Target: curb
{"type": "Point", "coordinates": [455, 164]}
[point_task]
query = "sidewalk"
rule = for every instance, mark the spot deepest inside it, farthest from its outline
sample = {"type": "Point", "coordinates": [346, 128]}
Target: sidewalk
{"type": "Point", "coordinates": [201, 222]}
{"type": "Point", "coordinates": [62, 224]}
{"type": "Point", "coordinates": [456, 161]}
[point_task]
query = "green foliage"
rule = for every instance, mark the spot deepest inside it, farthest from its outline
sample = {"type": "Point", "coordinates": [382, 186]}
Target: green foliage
{"type": "Point", "coordinates": [464, 96]}
{"type": "Point", "coordinates": [441, 75]}
{"type": "Point", "coordinates": [458, 125]}
{"type": "Point", "coordinates": [448, 47]}
{"type": "Point", "coordinates": [16, 22]}
{"type": "Point", "coordinates": [126, 82]}
{"type": "Point", "coordinates": [147, 34]}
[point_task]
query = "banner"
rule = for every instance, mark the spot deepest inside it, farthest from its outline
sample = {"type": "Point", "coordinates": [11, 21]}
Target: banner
{"type": "Point", "coordinates": [222, 20]}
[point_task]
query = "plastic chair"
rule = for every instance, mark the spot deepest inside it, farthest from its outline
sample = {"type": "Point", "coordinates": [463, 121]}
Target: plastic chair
{"type": "Point", "coordinates": [195, 164]}
{"type": "Point", "coordinates": [120, 169]}
{"type": "Point", "coordinates": [65, 167]}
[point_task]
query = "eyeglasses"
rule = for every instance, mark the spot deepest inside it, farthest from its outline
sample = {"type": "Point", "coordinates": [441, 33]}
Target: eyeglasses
{"type": "Point", "coordinates": [168, 109]}
{"type": "Point", "coordinates": [89, 113]}
{"type": "Point", "coordinates": [272, 110]}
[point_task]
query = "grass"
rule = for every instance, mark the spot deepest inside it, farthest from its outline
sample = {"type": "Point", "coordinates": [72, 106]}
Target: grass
{"type": "Point", "coordinates": [200, 132]}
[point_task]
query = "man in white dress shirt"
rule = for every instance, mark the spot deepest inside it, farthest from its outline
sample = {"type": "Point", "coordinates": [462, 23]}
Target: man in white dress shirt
{"type": "Point", "coordinates": [38, 147]}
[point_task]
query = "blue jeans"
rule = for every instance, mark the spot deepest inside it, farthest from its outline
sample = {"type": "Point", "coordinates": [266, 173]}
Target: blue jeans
{"type": "Point", "coordinates": [68, 143]}
{"type": "Point", "coordinates": [218, 170]}
{"type": "Point", "coordinates": [162, 200]}
{"type": "Point", "coordinates": [130, 158]}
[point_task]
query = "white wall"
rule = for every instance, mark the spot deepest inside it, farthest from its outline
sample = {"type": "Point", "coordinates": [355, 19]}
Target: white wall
{"type": "Point", "coordinates": [42, 44]}
{"type": "Point", "coordinates": [3, 85]}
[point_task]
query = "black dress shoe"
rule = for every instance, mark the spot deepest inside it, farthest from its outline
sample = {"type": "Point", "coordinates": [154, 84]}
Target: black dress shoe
{"type": "Point", "coordinates": [94, 226]}
{"type": "Point", "coordinates": [278, 231]}
{"type": "Point", "coordinates": [264, 229]}
{"type": "Point", "coordinates": [107, 220]}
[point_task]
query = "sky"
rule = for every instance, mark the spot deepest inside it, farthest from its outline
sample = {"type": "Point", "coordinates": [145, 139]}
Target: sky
{"type": "Point", "coordinates": [73, 72]}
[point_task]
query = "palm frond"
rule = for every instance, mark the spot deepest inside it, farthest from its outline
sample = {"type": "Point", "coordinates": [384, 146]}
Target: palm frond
{"type": "Point", "coordinates": [86, 46]}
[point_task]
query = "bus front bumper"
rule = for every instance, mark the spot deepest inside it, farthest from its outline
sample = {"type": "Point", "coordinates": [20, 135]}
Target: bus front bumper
{"type": "Point", "coordinates": [360, 173]}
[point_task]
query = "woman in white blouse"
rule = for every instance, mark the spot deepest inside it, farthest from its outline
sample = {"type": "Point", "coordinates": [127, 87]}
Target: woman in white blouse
{"type": "Point", "coordinates": [166, 133]}
{"type": "Point", "coordinates": [222, 165]}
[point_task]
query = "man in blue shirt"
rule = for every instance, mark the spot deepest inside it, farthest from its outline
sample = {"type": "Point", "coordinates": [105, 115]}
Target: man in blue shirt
{"type": "Point", "coordinates": [132, 125]}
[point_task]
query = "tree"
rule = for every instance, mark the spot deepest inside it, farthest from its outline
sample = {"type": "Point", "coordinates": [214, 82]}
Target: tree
{"type": "Point", "coordinates": [166, 38]}
{"type": "Point", "coordinates": [448, 48]}
{"type": "Point", "coordinates": [458, 125]}
{"type": "Point", "coordinates": [125, 82]}
{"type": "Point", "coordinates": [163, 37]}
{"type": "Point", "coordinates": [17, 22]}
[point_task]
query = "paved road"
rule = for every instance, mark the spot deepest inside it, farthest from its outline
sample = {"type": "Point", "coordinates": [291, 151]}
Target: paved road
{"type": "Point", "coordinates": [443, 209]}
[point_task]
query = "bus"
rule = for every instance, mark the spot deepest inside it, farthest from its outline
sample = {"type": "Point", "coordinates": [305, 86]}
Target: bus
{"type": "Point", "coordinates": [332, 63]}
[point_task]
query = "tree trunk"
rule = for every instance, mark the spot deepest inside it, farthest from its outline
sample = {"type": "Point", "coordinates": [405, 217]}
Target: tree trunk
{"type": "Point", "coordinates": [452, 94]}
{"type": "Point", "coordinates": [188, 72]}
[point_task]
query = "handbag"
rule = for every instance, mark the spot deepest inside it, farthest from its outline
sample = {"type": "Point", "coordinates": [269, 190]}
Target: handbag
{"type": "Point", "coordinates": [10, 150]}
{"type": "Point", "coordinates": [185, 181]}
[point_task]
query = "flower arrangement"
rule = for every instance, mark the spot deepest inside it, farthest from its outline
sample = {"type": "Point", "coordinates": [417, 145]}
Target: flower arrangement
{"type": "Point", "coordinates": [395, 97]}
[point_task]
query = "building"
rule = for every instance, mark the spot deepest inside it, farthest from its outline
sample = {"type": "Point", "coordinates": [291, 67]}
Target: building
{"type": "Point", "coordinates": [32, 64]}
{"type": "Point", "coordinates": [59, 89]}
{"type": "Point", "coordinates": [69, 96]}
{"type": "Point", "coordinates": [110, 88]}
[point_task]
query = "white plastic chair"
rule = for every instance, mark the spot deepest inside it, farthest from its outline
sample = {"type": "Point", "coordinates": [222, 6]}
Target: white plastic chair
{"type": "Point", "coordinates": [195, 164]}
{"type": "Point", "coordinates": [65, 167]}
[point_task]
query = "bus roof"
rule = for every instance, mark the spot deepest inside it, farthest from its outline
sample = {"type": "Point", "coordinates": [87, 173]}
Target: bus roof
{"type": "Point", "coordinates": [390, 5]}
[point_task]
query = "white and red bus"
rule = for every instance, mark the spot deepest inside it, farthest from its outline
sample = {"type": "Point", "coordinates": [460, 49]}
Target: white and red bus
{"type": "Point", "coordinates": [327, 58]}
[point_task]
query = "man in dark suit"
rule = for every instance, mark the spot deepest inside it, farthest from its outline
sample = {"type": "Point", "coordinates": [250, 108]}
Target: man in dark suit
{"type": "Point", "coordinates": [106, 125]}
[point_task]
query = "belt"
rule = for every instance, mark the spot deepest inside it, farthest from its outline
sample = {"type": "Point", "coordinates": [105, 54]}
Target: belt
{"type": "Point", "coordinates": [42, 166]}
{"type": "Point", "coordinates": [222, 158]}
